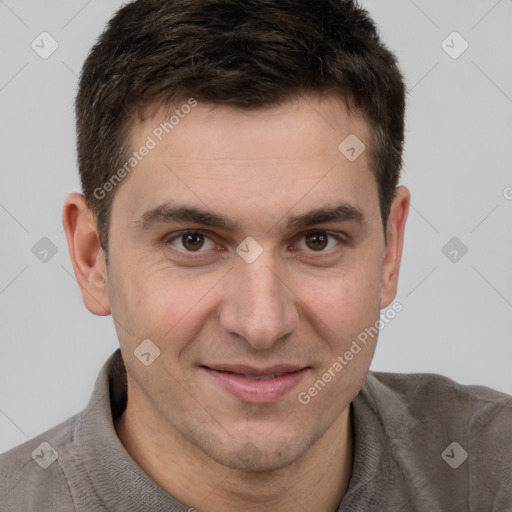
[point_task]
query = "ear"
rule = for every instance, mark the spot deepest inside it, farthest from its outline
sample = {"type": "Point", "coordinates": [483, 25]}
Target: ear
{"type": "Point", "coordinates": [86, 254]}
{"type": "Point", "coordinates": [395, 242]}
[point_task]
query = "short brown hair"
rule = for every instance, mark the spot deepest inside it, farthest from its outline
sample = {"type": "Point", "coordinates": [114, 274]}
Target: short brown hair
{"type": "Point", "coordinates": [243, 53]}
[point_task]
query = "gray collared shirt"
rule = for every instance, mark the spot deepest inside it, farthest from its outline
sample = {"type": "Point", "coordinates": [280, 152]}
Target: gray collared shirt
{"type": "Point", "coordinates": [421, 443]}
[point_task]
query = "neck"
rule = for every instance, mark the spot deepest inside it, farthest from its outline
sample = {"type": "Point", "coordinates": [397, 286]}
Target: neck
{"type": "Point", "coordinates": [316, 482]}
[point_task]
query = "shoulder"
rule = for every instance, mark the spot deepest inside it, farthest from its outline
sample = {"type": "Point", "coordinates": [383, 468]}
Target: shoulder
{"type": "Point", "coordinates": [59, 469]}
{"type": "Point", "coordinates": [425, 394]}
{"type": "Point", "coordinates": [436, 408]}
{"type": "Point", "coordinates": [446, 443]}
{"type": "Point", "coordinates": [435, 426]}
{"type": "Point", "coordinates": [445, 405]}
{"type": "Point", "coordinates": [33, 476]}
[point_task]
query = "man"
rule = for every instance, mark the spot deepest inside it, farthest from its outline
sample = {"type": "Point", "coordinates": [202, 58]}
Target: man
{"type": "Point", "coordinates": [241, 221]}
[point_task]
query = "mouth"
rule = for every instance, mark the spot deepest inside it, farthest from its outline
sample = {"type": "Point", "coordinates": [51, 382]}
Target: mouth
{"type": "Point", "coordinates": [257, 386]}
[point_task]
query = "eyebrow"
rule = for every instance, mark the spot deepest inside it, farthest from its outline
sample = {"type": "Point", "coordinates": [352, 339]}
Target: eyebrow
{"type": "Point", "coordinates": [168, 213]}
{"type": "Point", "coordinates": [342, 213]}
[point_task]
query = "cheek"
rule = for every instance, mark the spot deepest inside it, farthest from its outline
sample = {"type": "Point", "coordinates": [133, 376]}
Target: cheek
{"type": "Point", "coordinates": [346, 300]}
{"type": "Point", "coordinates": [160, 303]}
{"type": "Point", "coordinates": [349, 306]}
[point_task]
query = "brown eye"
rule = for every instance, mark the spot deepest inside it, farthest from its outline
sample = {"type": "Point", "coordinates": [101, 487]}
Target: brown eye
{"type": "Point", "coordinates": [192, 241]}
{"type": "Point", "coordinates": [317, 241]}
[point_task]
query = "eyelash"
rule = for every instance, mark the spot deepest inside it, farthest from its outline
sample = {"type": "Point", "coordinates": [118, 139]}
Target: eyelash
{"type": "Point", "coordinates": [340, 238]}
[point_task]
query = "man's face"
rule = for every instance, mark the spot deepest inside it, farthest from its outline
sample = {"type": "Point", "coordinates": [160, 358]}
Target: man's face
{"type": "Point", "coordinates": [223, 318]}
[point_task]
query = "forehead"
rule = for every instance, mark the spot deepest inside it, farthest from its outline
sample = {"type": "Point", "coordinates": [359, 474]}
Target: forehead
{"type": "Point", "coordinates": [309, 126]}
{"type": "Point", "coordinates": [226, 158]}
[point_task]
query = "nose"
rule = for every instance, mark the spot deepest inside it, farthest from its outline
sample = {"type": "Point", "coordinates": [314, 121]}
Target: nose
{"type": "Point", "coordinates": [257, 304]}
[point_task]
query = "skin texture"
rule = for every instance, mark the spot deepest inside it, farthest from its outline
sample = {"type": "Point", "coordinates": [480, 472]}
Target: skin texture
{"type": "Point", "coordinates": [294, 304]}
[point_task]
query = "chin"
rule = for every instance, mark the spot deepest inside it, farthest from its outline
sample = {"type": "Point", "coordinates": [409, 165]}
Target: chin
{"type": "Point", "coordinates": [251, 460]}
{"type": "Point", "coordinates": [260, 455]}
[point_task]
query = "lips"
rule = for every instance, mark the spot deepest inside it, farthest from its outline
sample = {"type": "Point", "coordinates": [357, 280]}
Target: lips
{"type": "Point", "coordinates": [256, 385]}
{"type": "Point", "coordinates": [241, 369]}
{"type": "Point", "coordinates": [262, 377]}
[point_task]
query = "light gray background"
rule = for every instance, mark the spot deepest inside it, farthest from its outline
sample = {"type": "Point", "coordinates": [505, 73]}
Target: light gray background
{"type": "Point", "coordinates": [457, 317]}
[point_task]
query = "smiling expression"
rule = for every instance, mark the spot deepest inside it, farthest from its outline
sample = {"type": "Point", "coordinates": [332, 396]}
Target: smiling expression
{"type": "Point", "coordinates": [250, 251]}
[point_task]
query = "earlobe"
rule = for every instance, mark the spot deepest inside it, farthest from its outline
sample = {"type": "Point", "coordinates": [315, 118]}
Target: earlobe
{"type": "Point", "coordinates": [87, 256]}
{"type": "Point", "coordinates": [395, 242]}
